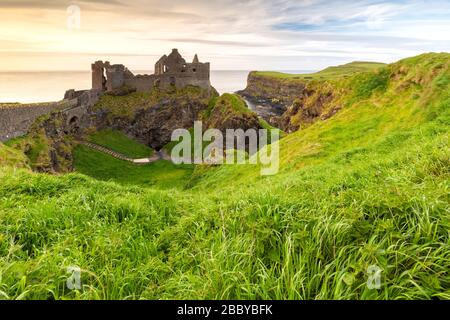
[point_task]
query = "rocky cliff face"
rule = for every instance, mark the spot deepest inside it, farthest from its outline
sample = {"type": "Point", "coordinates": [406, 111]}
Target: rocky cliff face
{"type": "Point", "coordinates": [151, 118]}
{"type": "Point", "coordinates": [48, 146]}
{"type": "Point", "coordinates": [148, 117]}
{"type": "Point", "coordinates": [290, 104]}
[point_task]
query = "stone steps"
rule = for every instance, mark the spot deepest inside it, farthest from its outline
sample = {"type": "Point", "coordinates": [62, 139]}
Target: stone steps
{"type": "Point", "coordinates": [160, 155]}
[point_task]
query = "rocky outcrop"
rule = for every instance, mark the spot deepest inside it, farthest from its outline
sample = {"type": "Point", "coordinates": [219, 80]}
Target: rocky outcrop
{"type": "Point", "coordinates": [289, 103]}
{"type": "Point", "coordinates": [48, 145]}
{"type": "Point", "coordinates": [273, 93]}
{"type": "Point", "coordinates": [151, 118]}
{"type": "Point", "coordinates": [148, 117]}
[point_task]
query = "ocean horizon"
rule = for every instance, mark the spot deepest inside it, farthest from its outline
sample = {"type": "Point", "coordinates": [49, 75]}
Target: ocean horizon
{"type": "Point", "coordinates": [46, 86]}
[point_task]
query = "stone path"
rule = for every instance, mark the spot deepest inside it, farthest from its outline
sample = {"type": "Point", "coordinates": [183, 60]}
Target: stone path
{"type": "Point", "coordinates": [158, 155]}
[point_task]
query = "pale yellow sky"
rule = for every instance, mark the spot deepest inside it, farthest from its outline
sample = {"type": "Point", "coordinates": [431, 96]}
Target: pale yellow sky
{"type": "Point", "coordinates": [231, 34]}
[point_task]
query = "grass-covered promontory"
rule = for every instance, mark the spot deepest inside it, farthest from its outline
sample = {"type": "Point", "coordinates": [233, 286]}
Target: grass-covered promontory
{"type": "Point", "coordinates": [366, 187]}
{"type": "Point", "coordinates": [345, 70]}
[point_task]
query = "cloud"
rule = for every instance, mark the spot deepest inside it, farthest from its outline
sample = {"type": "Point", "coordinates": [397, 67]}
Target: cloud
{"type": "Point", "coordinates": [52, 4]}
{"type": "Point", "coordinates": [218, 42]}
{"type": "Point", "coordinates": [228, 30]}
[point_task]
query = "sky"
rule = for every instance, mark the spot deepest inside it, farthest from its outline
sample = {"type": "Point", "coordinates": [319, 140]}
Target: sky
{"type": "Point", "coordinates": [53, 35]}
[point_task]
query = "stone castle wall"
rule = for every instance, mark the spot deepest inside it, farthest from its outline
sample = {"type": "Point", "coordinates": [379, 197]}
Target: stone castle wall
{"type": "Point", "coordinates": [147, 83]}
{"type": "Point", "coordinates": [141, 83]}
{"type": "Point", "coordinates": [15, 120]}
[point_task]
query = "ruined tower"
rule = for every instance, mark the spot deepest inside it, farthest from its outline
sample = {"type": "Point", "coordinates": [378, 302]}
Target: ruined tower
{"type": "Point", "coordinates": [98, 76]}
{"type": "Point", "coordinates": [170, 71]}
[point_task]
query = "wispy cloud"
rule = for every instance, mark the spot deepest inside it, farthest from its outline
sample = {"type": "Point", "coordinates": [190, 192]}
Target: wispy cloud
{"type": "Point", "coordinates": [225, 31]}
{"type": "Point", "coordinates": [50, 4]}
{"type": "Point", "coordinates": [219, 42]}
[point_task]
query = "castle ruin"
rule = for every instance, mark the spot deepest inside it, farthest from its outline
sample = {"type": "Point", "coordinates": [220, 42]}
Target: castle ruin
{"type": "Point", "coordinates": [170, 71]}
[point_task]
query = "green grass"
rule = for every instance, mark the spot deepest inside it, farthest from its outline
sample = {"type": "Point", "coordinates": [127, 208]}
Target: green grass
{"type": "Point", "coordinates": [369, 186]}
{"type": "Point", "coordinates": [117, 141]}
{"type": "Point", "coordinates": [226, 103]}
{"type": "Point", "coordinates": [328, 73]}
{"type": "Point", "coordinates": [35, 148]}
{"type": "Point", "coordinates": [12, 157]}
{"type": "Point", "coordinates": [235, 101]}
{"type": "Point", "coordinates": [162, 174]}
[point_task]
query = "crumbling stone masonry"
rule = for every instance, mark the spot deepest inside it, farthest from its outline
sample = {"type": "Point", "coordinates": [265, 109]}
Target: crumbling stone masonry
{"type": "Point", "coordinates": [15, 120]}
{"type": "Point", "coordinates": [170, 71]}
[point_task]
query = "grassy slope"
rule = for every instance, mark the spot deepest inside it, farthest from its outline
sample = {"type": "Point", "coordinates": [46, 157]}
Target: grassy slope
{"type": "Point", "coordinates": [369, 186]}
{"type": "Point", "coordinates": [161, 174]}
{"type": "Point", "coordinates": [12, 157]}
{"type": "Point", "coordinates": [328, 73]}
{"type": "Point", "coordinates": [228, 102]}
{"type": "Point", "coordinates": [117, 141]}
{"type": "Point", "coordinates": [35, 148]}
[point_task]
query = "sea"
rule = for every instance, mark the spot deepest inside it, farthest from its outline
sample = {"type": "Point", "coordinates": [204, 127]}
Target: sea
{"type": "Point", "coordinates": [28, 87]}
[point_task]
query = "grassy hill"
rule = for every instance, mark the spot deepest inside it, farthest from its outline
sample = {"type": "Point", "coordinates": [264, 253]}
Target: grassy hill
{"type": "Point", "coordinates": [367, 187]}
{"type": "Point", "coordinates": [328, 73]}
{"type": "Point", "coordinates": [12, 157]}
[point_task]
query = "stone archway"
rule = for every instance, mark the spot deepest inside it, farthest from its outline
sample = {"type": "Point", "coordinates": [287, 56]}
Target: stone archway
{"type": "Point", "coordinates": [73, 124]}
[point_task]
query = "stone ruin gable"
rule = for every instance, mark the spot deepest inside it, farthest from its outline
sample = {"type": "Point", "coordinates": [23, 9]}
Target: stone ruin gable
{"type": "Point", "coordinates": [117, 75]}
{"type": "Point", "coordinates": [16, 120]}
{"type": "Point", "coordinates": [171, 70]}
{"type": "Point", "coordinates": [98, 76]}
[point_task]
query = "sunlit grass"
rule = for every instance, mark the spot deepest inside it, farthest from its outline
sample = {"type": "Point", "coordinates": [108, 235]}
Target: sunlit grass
{"type": "Point", "coordinates": [345, 70]}
{"type": "Point", "coordinates": [119, 142]}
